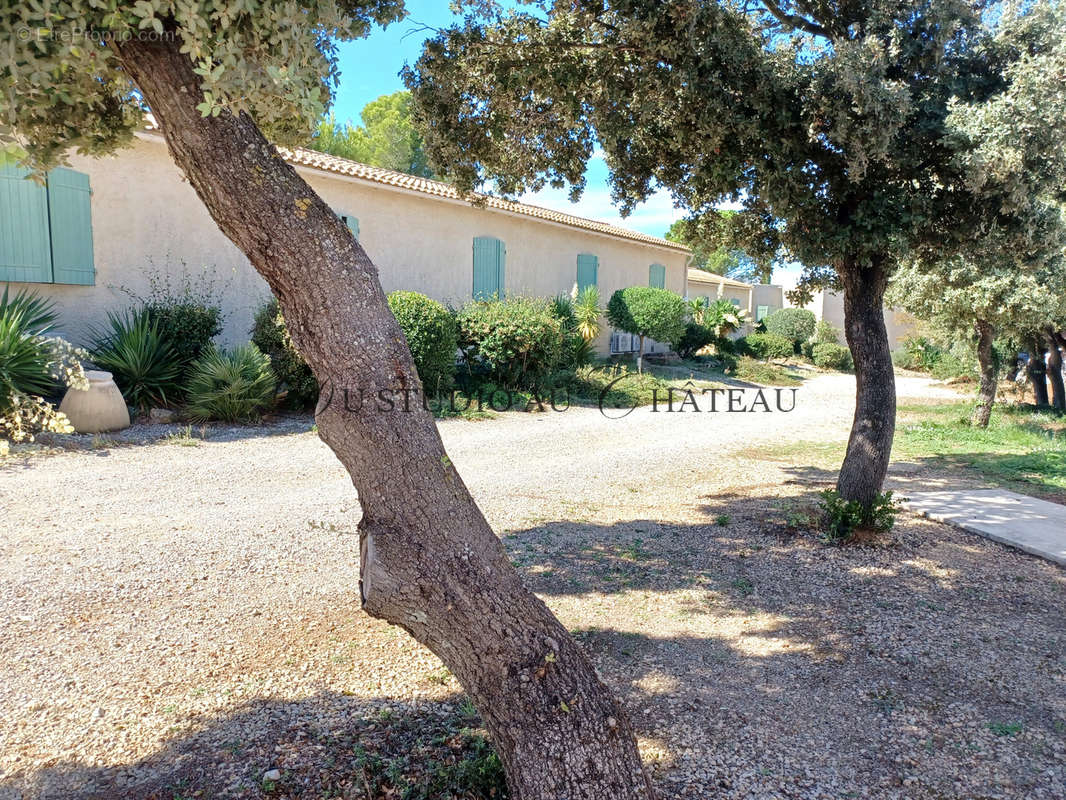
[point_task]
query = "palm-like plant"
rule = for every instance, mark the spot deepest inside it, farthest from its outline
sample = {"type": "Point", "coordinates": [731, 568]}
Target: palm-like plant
{"type": "Point", "coordinates": [25, 356]}
{"type": "Point", "coordinates": [140, 360]}
{"type": "Point", "coordinates": [697, 308]}
{"type": "Point", "coordinates": [231, 386]}
{"type": "Point", "coordinates": [723, 317]}
{"type": "Point", "coordinates": [588, 312]}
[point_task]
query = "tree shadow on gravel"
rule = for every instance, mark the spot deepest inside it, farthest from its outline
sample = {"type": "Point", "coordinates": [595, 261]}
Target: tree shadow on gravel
{"type": "Point", "coordinates": [327, 745]}
{"type": "Point", "coordinates": [922, 663]}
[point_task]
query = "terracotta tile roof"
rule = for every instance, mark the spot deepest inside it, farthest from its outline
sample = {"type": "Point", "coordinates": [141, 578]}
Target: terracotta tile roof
{"type": "Point", "coordinates": [312, 158]}
{"type": "Point", "coordinates": [702, 276]}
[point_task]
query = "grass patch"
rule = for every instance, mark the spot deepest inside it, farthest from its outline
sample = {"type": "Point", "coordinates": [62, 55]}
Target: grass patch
{"type": "Point", "coordinates": [751, 370]}
{"type": "Point", "coordinates": [1020, 450]}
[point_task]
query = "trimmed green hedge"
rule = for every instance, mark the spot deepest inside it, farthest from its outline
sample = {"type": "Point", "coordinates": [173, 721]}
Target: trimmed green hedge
{"type": "Point", "coordinates": [767, 345]}
{"type": "Point", "coordinates": [832, 356]}
{"type": "Point", "coordinates": [515, 343]}
{"type": "Point", "coordinates": [432, 335]}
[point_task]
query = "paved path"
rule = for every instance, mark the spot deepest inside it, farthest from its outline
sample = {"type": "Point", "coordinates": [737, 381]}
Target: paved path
{"type": "Point", "coordinates": [1035, 526]}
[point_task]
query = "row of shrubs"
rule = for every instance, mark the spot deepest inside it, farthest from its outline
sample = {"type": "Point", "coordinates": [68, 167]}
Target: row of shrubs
{"type": "Point", "coordinates": [790, 332]}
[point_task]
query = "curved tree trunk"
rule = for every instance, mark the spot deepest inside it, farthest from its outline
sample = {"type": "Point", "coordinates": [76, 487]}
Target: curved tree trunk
{"type": "Point", "coordinates": [986, 392]}
{"type": "Point", "coordinates": [430, 563]}
{"type": "Point", "coordinates": [1054, 371]}
{"type": "Point", "coordinates": [1036, 369]}
{"type": "Point", "coordinates": [870, 444]}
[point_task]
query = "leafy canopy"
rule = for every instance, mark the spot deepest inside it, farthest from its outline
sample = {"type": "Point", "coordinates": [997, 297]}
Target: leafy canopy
{"type": "Point", "coordinates": [646, 311]}
{"type": "Point", "coordinates": [848, 133]}
{"type": "Point", "coordinates": [62, 86]}
{"type": "Point", "coordinates": [710, 239]}
{"type": "Point", "coordinates": [387, 138]}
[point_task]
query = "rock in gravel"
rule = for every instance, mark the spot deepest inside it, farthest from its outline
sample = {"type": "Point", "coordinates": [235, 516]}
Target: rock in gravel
{"type": "Point", "coordinates": [272, 775]}
{"type": "Point", "coordinates": [161, 416]}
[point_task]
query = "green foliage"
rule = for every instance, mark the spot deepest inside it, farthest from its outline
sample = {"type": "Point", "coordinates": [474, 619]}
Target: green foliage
{"type": "Point", "coordinates": [24, 354]}
{"type": "Point", "coordinates": [832, 356]}
{"type": "Point", "coordinates": [140, 360]}
{"type": "Point", "coordinates": [432, 335]}
{"type": "Point", "coordinates": [709, 237]}
{"type": "Point", "coordinates": [693, 338]}
{"type": "Point", "coordinates": [230, 385]}
{"type": "Point", "coordinates": [387, 138]}
{"type": "Point", "coordinates": [645, 311]}
{"type": "Point", "coordinates": [515, 343]}
{"type": "Point", "coordinates": [760, 372]}
{"type": "Point", "coordinates": [617, 386]}
{"type": "Point", "coordinates": [274, 61]}
{"type": "Point", "coordinates": [795, 324]}
{"type": "Point", "coordinates": [293, 375]}
{"type": "Point", "coordinates": [766, 345]}
{"type": "Point", "coordinates": [187, 310]}
{"type": "Point", "coordinates": [724, 317]}
{"type": "Point", "coordinates": [924, 355]}
{"type": "Point", "coordinates": [844, 517]}
{"type": "Point", "coordinates": [587, 313]}
{"type": "Point", "coordinates": [826, 333]}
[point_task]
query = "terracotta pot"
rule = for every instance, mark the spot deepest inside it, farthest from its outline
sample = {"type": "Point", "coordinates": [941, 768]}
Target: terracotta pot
{"type": "Point", "coordinates": [100, 408]}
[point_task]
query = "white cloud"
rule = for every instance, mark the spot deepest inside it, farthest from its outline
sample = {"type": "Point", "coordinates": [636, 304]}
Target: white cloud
{"type": "Point", "coordinates": [652, 217]}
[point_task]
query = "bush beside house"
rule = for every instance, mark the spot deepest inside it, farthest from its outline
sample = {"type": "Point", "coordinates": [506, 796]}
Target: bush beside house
{"type": "Point", "coordinates": [432, 336]}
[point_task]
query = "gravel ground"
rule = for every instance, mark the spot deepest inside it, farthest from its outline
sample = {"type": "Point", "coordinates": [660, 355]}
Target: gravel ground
{"type": "Point", "coordinates": [180, 617]}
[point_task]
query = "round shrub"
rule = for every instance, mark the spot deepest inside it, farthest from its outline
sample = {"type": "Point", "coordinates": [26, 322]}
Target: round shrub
{"type": "Point", "coordinates": [187, 325]}
{"type": "Point", "coordinates": [270, 335]}
{"type": "Point", "coordinates": [646, 311]}
{"type": "Point", "coordinates": [795, 324]}
{"type": "Point", "coordinates": [230, 386]}
{"type": "Point", "coordinates": [693, 339]}
{"type": "Point", "coordinates": [832, 356]}
{"type": "Point", "coordinates": [767, 345]}
{"type": "Point", "coordinates": [826, 333]}
{"type": "Point", "coordinates": [431, 334]}
{"type": "Point", "coordinates": [515, 343]}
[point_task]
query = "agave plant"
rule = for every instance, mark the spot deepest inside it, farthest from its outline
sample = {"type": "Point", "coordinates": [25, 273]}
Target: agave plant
{"type": "Point", "coordinates": [140, 360]}
{"type": "Point", "coordinates": [24, 361]}
{"type": "Point", "coordinates": [723, 317]}
{"type": "Point", "coordinates": [588, 312]}
{"type": "Point", "coordinates": [230, 386]}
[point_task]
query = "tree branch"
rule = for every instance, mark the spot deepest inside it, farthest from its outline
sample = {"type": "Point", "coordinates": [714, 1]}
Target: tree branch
{"type": "Point", "coordinates": [795, 21]}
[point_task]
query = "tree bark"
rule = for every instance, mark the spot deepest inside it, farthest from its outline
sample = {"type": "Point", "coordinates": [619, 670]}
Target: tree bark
{"type": "Point", "coordinates": [1036, 369]}
{"type": "Point", "coordinates": [870, 444]}
{"type": "Point", "coordinates": [986, 391]}
{"type": "Point", "coordinates": [1054, 370]}
{"type": "Point", "coordinates": [429, 561]}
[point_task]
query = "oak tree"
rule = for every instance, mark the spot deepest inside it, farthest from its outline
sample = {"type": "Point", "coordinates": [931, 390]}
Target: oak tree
{"type": "Point", "coordinates": [855, 132]}
{"type": "Point", "coordinates": [224, 79]}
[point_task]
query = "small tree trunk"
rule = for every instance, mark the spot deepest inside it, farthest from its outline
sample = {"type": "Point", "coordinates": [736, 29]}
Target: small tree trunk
{"type": "Point", "coordinates": [1054, 371]}
{"type": "Point", "coordinates": [1036, 369]}
{"type": "Point", "coordinates": [986, 392]}
{"type": "Point", "coordinates": [429, 561]}
{"type": "Point", "coordinates": [870, 444]}
{"type": "Point", "coordinates": [640, 356]}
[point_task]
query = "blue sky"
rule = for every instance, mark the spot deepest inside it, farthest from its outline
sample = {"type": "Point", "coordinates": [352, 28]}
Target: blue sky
{"type": "Point", "coordinates": [369, 69]}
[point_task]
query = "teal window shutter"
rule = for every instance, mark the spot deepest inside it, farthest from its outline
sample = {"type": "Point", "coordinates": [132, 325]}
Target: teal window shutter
{"type": "Point", "coordinates": [761, 312]}
{"type": "Point", "coordinates": [352, 223]}
{"type": "Point", "coordinates": [25, 251]}
{"type": "Point", "coordinates": [70, 220]}
{"type": "Point", "coordinates": [657, 276]}
{"type": "Point", "coordinates": [489, 257]}
{"type": "Point", "coordinates": [588, 268]}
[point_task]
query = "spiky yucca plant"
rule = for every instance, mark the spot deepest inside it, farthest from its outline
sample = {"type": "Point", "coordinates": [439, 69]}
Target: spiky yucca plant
{"type": "Point", "coordinates": [230, 386]}
{"type": "Point", "coordinates": [588, 312]}
{"type": "Point", "coordinates": [141, 361]}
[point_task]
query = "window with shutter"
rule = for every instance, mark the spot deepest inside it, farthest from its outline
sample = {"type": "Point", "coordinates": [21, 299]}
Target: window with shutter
{"type": "Point", "coordinates": [70, 220]}
{"type": "Point", "coordinates": [588, 267]}
{"type": "Point", "coordinates": [352, 223]}
{"type": "Point", "coordinates": [657, 276]}
{"type": "Point", "coordinates": [25, 249]}
{"type": "Point", "coordinates": [489, 261]}
{"type": "Point", "coordinates": [761, 312]}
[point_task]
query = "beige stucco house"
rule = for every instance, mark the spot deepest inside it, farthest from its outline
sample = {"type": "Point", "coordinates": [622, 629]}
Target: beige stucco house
{"type": "Point", "coordinates": [131, 218]}
{"type": "Point", "coordinates": [829, 306]}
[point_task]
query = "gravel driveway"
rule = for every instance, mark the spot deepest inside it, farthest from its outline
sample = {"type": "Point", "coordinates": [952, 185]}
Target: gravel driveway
{"type": "Point", "coordinates": [183, 617]}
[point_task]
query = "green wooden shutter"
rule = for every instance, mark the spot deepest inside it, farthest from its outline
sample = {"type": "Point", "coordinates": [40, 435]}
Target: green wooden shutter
{"type": "Point", "coordinates": [588, 268]}
{"type": "Point", "coordinates": [352, 223]}
{"type": "Point", "coordinates": [657, 276]}
{"type": "Point", "coordinates": [71, 224]}
{"type": "Point", "coordinates": [25, 252]}
{"type": "Point", "coordinates": [489, 258]}
{"type": "Point", "coordinates": [761, 312]}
